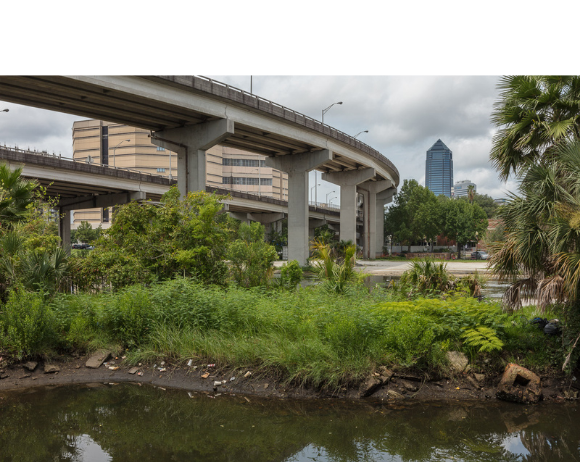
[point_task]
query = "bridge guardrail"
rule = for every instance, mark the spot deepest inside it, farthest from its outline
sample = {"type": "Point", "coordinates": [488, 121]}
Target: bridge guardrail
{"type": "Point", "coordinates": [68, 159]}
{"type": "Point", "coordinates": [230, 92]}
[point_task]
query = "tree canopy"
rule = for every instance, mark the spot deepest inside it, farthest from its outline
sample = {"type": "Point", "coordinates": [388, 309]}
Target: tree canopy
{"type": "Point", "coordinates": [418, 214]}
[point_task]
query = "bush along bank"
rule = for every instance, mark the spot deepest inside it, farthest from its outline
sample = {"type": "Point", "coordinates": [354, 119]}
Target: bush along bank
{"type": "Point", "coordinates": [310, 336]}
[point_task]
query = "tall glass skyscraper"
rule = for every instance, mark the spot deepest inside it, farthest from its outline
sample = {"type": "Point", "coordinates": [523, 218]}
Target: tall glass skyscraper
{"type": "Point", "coordinates": [439, 169]}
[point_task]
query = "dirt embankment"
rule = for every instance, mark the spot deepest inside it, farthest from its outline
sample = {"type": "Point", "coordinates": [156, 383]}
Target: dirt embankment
{"type": "Point", "coordinates": [201, 378]}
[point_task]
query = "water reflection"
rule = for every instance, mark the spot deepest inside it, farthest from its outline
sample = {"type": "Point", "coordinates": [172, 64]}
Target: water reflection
{"type": "Point", "coordinates": [131, 423]}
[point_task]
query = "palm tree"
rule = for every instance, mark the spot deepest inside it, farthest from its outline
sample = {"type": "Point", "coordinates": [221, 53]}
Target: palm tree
{"type": "Point", "coordinates": [533, 114]}
{"type": "Point", "coordinates": [542, 227]}
{"type": "Point", "coordinates": [16, 195]}
{"type": "Point", "coordinates": [470, 193]}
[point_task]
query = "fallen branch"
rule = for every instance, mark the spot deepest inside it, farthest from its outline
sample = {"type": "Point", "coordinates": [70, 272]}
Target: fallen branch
{"type": "Point", "coordinates": [570, 354]}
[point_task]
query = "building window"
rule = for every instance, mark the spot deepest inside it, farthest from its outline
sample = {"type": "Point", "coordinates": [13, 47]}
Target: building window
{"type": "Point", "coordinates": [243, 162]}
{"type": "Point", "coordinates": [246, 181]}
{"type": "Point", "coordinates": [160, 170]}
{"type": "Point", "coordinates": [159, 148]}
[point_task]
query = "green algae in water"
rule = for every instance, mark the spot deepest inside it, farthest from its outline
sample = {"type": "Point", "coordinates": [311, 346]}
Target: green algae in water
{"type": "Point", "coordinates": [130, 423]}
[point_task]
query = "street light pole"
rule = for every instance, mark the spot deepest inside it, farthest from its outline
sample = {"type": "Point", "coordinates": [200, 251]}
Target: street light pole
{"type": "Point", "coordinates": [364, 131]}
{"type": "Point", "coordinates": [313, 187]}
{"type": "Point", "coordinates": [331, 192]}
{"type": "Point", "coordinates": [114, 152]}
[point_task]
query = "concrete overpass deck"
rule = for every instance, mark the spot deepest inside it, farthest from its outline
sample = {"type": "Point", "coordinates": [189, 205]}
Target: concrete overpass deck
{"type": "Point", "coordinates": [190, 114]}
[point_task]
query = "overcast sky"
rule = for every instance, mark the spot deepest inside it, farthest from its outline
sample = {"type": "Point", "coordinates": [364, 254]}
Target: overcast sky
{"type": "Point", "coordinates": [404, 116]}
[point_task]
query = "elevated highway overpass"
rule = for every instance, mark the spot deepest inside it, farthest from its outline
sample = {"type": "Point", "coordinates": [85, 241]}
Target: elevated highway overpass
{"type": "Point", "coordinates": [79, 185]}
{"type": "Point", "coordinates": [190, 114]}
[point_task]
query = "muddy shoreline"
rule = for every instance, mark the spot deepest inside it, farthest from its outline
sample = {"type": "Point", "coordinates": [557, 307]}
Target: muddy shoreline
{"type": "Point", "coordinates": [401, 387]}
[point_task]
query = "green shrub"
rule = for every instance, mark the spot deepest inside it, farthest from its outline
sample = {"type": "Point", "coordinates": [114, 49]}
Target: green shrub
{"type": "Point", "coordinates": [26, 324]}
{"type": "Point", "coordinates": [290, 274]}
{"type": "Point", "coordinates": [128, 315]}
{"type": "Point", "coordinates": [251, 257]}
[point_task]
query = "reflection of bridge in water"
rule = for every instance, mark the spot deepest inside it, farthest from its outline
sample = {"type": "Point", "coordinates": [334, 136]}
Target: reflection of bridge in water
{"type": "Point", "coordinates": [189, 115]}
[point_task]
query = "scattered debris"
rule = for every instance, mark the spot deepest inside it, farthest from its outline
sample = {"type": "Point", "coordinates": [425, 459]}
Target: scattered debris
{"type": "Point", "coordinates": [190, 362]}
{"type": "Point", "coordinates": [95, 361]}
{"type": "Point", "coordinates": [232, 379]}
{"type": "Point", "coordinates": [25, 376]}
{"type": "Point", "coordinates": [519, 385]}
{"type": "Point", "coordinates": [217, 383]}
{"type": "Point", "coordinates": [162, 363]}
{"type": "Point", "coordinates": [211, 365]}
{"type": "Point", "coordinates": [247, 374]}
{"type": "Point", "coordinates": [247, 399]}
{"type": "Point", "coordinates": [205, 376]}
{"type": "Point", "coordinates": [161, 388]}
{"type": "Point", "coordinates": [140, 374]}
{"type": "Point", "coordinates": [133, 370]}
{"type": "Point", "coordinates": [190, 394]}
{"type": "Point", "coordinates": [162, 369]}
{"type": "Point", "coordinates": [114, 368]}
{"type": "Point", "coordinates": [266, 385]}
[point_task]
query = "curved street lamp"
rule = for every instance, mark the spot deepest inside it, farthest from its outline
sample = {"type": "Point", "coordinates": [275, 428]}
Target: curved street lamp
{"type": "Point", "coordinates": [114, 149]}
{"type": "Point", "coordinates": [331, 192]}
{"type": "Point", "coordinates": [324, 111]}
{"type": "Point", "coordinates": [364, 131]}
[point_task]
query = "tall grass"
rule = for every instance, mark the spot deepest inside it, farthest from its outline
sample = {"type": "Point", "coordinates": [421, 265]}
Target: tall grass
{"type": "Point", "coordinates": [310, 335]}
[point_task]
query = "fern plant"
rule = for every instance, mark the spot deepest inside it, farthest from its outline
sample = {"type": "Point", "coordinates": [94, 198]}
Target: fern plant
{"type": "Point", "coordinates": [482, 337]}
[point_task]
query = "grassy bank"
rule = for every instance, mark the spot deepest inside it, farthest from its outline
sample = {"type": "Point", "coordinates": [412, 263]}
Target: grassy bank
{"type": "Point", "coordinates": [308, 336]}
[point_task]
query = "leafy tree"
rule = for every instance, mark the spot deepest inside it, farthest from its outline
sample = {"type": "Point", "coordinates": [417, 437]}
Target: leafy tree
{"type": "Point", "coordinates": [251, 256]}
{"type": "Point", "coordinates": [415, 214]}
{"type": "Point", "coordinates": [324, 234]}
{"type": "Point", "coordinates": [462, 221]}
{"type": "Point", "coordinates": [533, 114]}
{"type": "Point", "coordinates": [85, 233]}
{"type": "Point", "coordinates": [148, 242]}
{"type": "Point", "coordinates": [487, 203]}
{"type": "Point", "coordinates": [484, 201]}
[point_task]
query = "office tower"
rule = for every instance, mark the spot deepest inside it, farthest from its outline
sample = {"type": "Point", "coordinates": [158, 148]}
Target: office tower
{"type": "Point", "coordinates": [461, 188]}
{"type": "Point", "coordinates": [439, 169]}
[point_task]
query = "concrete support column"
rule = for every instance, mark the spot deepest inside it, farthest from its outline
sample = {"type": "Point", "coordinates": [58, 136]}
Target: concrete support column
{"type": "Point", "coordinates": [191, 143]}
{"type": "Point", "coordinates": [64, 228]}
{"type": "Point", "coordinates": [297, 167]}
{"type": "Point", "coordinates": [348, 182]}
{"type": "Point", "coordinates": [372, 215]}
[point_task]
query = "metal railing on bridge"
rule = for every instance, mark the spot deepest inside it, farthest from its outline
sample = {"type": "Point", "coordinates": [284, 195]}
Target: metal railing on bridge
{"type": "Point", "coordinates": [237, 94]}
{"type": "Point", "coordinates": [69, 159]}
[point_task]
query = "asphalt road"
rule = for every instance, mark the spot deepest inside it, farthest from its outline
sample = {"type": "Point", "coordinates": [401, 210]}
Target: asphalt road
{"type": "Point", "coordinates": [395, 268]}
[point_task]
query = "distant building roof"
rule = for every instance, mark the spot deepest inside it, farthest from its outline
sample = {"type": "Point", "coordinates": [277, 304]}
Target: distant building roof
{"type": "Point", "coordinates": [439, 146]}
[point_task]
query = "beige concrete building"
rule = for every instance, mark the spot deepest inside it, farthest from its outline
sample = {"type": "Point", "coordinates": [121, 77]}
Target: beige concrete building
{"type": "Point", "coordinates": [108, 143]}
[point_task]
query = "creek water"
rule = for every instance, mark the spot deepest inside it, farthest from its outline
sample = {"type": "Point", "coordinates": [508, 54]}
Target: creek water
{"type": "Point", "coordinates": [494, 289]}
{"type": "Point", "coordinates": [98, 422]}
